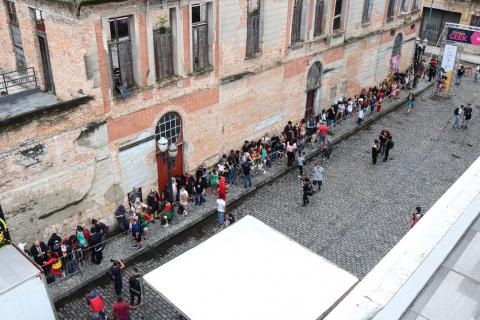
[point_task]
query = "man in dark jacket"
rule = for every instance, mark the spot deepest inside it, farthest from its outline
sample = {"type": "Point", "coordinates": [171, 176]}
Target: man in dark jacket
{"type": "Point", "coordinates": [39, 252]}
{"type": "Point", "coordinates": [153, 203]}
{"type": "Point", "coordinates": [97, 243]}
{"type": "Point", "coordinates": [101, 228]}
{"type": "Point", "coordinates": [388, 146]}
{"type": "Point", "coordinates": [135, 287]}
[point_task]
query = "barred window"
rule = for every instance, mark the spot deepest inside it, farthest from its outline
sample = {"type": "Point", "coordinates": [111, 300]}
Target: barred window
{"type": "Point", "coordinates": [170, 127]}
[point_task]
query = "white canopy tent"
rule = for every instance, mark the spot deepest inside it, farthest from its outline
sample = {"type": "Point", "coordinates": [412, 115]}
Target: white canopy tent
{"type": "Point", "coordinates": [250, 271]}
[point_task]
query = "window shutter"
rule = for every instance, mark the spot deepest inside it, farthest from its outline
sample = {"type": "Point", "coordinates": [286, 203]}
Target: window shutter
{"type": "Point", "coordinates": [126, 63]}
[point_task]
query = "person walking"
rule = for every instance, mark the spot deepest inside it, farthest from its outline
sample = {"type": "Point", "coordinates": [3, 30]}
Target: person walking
{"type": "Point", "coordinates": [116, 275]}
{"type": "Point", "coordinates": [388, 145]}
{"type": "Point", "coordinates": [384, 134]}
{"type": "Point", "coordinates": [301, 164]}
{"type": "Point", "coordinates": [410, 101]}
{"type": "Point", "coordinates": [183, 201]}
{"type": "Point", "coordinates": [135, 287]}
{"type": "Point", "coordinates": [306, 191]}
{"type": "Point", "coordinates": [460, 73]}
{"type": "Point", "coordinates": [318, 172]}
{"type": "Point", "coordinates": [221, 208]}
{"type": "Point", "coordinates": [247, 171]}
{"type": "Point", "coordinates": [375, 151]}
{"type": "Point", "coordinates": [416, 216]}
{"type": "Point", "coordinates": [467, 112]}
{"type": "Point", "coordinates": [95, 300]}
{"type": "Point", "coordinates": [457, 117]}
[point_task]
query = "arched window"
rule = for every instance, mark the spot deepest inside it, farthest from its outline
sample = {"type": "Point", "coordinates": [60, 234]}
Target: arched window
{"type": "Point", "coordinates": [397, 45]}
{"type": "Point", "coordinates": [314, 77]}
{"type": "Point", "coordinates": [170, 127]}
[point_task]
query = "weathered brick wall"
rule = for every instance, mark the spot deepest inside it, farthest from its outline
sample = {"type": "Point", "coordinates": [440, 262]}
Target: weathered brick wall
{"type": "Point", "coordinates": [7, 58]}
{"type": "Point", "coordinates": [75, 176]}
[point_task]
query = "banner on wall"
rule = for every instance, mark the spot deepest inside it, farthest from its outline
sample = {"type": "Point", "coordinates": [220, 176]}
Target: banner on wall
{"type": "Point", "coordinates": [4, 234]}
{"type": "Point", "coordinates": [394, 63]}
{"type": "Point", "coordinates": [447, 69]}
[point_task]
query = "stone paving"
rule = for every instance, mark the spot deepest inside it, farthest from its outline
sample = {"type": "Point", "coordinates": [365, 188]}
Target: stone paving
{"type": "Point", "coordinates": [361, 212]}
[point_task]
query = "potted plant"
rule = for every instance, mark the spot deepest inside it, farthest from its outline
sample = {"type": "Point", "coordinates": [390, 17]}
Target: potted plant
{"type": "Point", "coordinates": [162, 24]}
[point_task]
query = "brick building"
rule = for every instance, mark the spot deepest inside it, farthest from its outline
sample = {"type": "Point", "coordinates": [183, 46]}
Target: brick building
{"type": "Point", "coordinates": [207, 75]}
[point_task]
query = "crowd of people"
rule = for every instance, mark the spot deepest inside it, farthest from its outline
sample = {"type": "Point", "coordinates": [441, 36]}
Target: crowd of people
{"type": "Point", "coordinates": [62, 256]}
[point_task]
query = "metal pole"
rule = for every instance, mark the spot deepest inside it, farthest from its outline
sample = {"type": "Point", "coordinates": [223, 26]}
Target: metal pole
{"type": "Point", "coordinates": [170, 185]}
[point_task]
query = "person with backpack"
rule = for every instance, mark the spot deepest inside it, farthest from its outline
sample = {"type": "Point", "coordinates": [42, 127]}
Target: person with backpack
{"type": "Point", "coordinates": [135, 287]}
{"type": "Point", "coordinates": [467, 115]}
{"type": "Point", "coordinates": [416, 216]}
{"type": "Point", "coordinates": [307, 190]}
{"type": "Point", "coordinates": [388, 145]}
{"type": "Point", "coordinates": [95, 300]}
{"type": "Point", "coordinates": [457, 117]}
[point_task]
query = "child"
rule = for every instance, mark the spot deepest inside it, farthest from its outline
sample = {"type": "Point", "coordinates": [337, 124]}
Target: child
{"type": "Point", "coordinates": [410, 101]}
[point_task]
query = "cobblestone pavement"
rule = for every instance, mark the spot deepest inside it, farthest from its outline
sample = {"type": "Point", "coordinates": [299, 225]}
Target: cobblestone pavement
{"type": "Point", "coordinates": [362, 210]}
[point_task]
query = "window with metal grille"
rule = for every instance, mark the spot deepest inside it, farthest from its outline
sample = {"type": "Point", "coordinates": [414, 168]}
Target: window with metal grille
{"type": "Point", "coordinates": [253, 27]}
{"type": "Point", "coordinates": [367, 10]}
{"type": "Point", "coordinates": [162, 40]}
{"type": "Point", "coordinates": [318, 28]}
{"type": "Point", "coordinates": [475, 21]}
{"type": "Point", "coordinates": [170, 127]}
{"type": "Point", "coordinates": [297, 21]}
{"type": "Point", "coordinates": [404, 6]}
{"type": "Point", "coordinates": [200, 37]}
{"type": "Point", "coordinates": [120, 49]}
{"type": "Point", "coordinates": [337, 16]}
{"type": "Point", "coordinates": [391, 9]}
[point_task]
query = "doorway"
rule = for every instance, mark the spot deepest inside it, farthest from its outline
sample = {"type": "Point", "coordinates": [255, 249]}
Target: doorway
{"type": "Point", "coordinates": [314, 80]}
{"type": "Point", "coordinates": [310, 103]}
{"type": "Point", "coordinates": [47, 69]}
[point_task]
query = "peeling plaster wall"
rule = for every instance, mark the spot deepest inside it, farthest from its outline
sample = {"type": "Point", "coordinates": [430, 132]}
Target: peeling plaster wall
{"type": "Point", "coordinates": [54, 185]}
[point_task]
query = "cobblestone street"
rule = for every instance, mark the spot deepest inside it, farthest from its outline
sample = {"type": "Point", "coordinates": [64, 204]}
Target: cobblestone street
{"type": "Point", "coordinates": [362, 210]}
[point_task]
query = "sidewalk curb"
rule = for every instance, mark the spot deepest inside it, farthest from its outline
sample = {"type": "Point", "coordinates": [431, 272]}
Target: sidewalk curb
{"type": "Point", "coordinates": [233, 200]}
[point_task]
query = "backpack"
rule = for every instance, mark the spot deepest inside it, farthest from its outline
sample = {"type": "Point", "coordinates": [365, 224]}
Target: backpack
{"type": "Point", "coordinates": [456, 111]}
{"type": "Point", "coordinates": [391, 144]}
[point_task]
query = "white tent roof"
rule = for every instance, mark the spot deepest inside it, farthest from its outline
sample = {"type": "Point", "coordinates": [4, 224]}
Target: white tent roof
{"type": "Point", "coordinates": [250, 271]}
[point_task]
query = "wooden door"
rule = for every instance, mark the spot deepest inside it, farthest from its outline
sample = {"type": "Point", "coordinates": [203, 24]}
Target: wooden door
{"type": "Point", "coordinates": [177, 169]}
{"type": "Point", "coordinates": [309, 106]}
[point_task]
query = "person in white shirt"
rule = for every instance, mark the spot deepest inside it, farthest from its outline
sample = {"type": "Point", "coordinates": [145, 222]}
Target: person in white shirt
{"type": "Point", "coordinates": [318, 172]}
{"type": "Point", "coordinates": [221, 206]}
{"type": "Point", "coordinates": [476, 73]}
{"type": "Point", "coordinates": [182, 204]}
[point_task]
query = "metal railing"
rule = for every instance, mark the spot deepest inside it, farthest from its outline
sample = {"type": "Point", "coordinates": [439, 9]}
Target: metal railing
{"type": "Point", "coordinates": [15, 81]}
